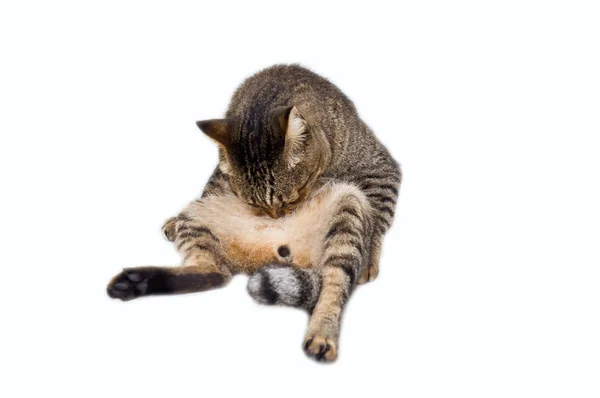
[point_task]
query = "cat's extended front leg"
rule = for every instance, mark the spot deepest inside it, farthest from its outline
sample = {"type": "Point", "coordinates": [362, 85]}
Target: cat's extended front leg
{"type": "Point", "coordinates": [343, 260]}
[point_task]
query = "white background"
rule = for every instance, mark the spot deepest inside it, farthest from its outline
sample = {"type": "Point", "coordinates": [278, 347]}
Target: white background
{"type": "Point", "coordinates": [489, 283]}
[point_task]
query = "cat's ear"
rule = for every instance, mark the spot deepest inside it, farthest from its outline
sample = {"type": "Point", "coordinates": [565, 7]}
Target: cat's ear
{"type": "Point", "coordinates": [296, 133]}
{"type": "Point", "coordinates": [218, 130]}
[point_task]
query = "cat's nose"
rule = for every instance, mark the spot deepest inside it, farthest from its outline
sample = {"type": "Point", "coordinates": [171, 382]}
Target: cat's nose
{"type": "Point", "coordinates": [272, 212]}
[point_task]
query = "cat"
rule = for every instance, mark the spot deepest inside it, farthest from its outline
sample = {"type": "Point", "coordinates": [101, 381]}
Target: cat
{"type": "Point", "coordinates": [300, 200]}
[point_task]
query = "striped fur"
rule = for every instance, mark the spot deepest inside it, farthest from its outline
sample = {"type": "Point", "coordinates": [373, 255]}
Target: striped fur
{"type": "Point", "coordinates": [282, 284]}
{"type": "Point", "coordinates": [301, 199]}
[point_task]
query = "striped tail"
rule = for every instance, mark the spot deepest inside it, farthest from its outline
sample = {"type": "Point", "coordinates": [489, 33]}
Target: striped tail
{"type": "Point", "coordinates": [279, 284]}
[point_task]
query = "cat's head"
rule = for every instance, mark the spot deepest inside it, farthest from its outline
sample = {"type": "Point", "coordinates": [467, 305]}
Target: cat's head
{"type": "Point", "coordinates": [272, 158]}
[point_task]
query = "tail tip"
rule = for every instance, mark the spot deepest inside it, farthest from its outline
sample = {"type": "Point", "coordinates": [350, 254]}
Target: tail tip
{"type": "Point", "coordinates": [260, 288]}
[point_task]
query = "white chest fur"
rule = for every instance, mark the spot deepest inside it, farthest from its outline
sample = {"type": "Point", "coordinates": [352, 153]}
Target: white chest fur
{"type": "Point", "coordinates": [252, 240]}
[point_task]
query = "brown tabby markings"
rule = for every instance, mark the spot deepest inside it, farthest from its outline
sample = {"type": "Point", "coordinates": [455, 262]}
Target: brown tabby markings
{"type": "Point", "coordinates": [372, 270]}
{"type": "Point", "coordinates": [323, 328]}
{"type": "Point", "coordinates": [301, 199]}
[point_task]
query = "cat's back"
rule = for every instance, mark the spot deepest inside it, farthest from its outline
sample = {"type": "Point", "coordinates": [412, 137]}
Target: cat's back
{"type": "Point", "coordinates": [287, 85]}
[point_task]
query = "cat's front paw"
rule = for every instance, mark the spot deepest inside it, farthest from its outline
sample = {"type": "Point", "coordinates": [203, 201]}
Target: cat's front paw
{"type": "Point", "coordinates": [370, 274]}
{"type": "Point", "coordinates": [169, 228]}
{"type": "Point", "coordinates": [320, 348]}
{"type": "Point", "coordinates": [129, 284]}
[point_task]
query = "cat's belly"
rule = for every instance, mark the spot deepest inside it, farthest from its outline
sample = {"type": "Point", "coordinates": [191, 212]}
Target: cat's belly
{"type": "Point", "coordinates": [252, 241]}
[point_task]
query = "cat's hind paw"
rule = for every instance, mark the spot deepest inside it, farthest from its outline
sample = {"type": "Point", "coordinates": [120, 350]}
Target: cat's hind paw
{"type": "Point", "coordinates": [128, 284]}
{"type": "Point", "coordinates": [320, 348]}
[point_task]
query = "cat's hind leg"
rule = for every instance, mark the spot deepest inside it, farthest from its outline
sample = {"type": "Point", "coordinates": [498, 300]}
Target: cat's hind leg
{"type": "Point", "coordinates": [136, 282]}
{"type": "Point", "coordinates": [205, 266]}
{"type": "Point", "coordinates": [341, 262]}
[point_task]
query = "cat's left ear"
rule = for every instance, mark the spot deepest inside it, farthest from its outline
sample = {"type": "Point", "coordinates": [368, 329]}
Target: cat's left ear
{"type": "Point", "coordinates": [296, 134]}
{"type": "Point", "coordinates": [217, 129]}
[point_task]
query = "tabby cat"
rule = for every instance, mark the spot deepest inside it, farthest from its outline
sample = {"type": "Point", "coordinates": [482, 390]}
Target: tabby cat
{"type": "Point", "coordinates": [300, 200]}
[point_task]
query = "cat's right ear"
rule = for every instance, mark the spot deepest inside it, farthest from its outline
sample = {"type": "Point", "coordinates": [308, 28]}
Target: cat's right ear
{"type": "Point", "coordinates": [219, 130]}
{"type": "Point", "coordinates": [296, 134]}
